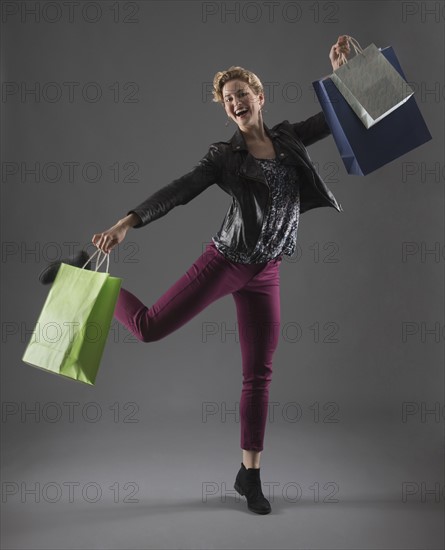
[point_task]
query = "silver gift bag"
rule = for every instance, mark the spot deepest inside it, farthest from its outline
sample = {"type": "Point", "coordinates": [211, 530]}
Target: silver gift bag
{"type": "Point", "coordinates": [370, 84]}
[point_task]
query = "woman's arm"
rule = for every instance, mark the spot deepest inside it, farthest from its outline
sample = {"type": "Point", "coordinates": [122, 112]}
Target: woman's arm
{"type": "Point", "coordinates": [312, 129]}
{"type": "Point", "coordinates": [180, 191]}
{"type": "Point", "coordinates": [316, 127]}
{"type": "Point", "coordinates": [131, 220]}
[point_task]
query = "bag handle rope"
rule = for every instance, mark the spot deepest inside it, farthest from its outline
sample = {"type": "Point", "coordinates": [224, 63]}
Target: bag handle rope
{"type": "Point", "coordinates": [357, 48]}
{"type": "Point", "coordinates": [106, 257]}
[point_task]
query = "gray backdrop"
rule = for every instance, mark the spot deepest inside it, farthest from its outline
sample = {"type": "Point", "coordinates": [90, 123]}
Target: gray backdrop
{"type": "Point", "coordinates": [147, 457]}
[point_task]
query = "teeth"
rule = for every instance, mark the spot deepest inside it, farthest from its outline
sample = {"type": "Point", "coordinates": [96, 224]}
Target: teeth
{"type": "Point", "coordinates": [241, 112]}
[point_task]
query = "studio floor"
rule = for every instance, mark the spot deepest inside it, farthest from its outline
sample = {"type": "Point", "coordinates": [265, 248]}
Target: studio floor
{"type": "Point", "coordinates": [171, 487]}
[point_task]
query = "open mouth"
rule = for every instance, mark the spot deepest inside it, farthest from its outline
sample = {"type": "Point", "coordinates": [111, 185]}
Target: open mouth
{"type": "Point", "coordinates": [241, 113]}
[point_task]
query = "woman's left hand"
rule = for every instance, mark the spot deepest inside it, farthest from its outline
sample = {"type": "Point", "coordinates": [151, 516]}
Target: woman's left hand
{"type": "Point", "coordinates": [341, 47]}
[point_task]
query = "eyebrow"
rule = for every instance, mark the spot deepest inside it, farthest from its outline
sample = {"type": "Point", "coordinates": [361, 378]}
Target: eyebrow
{"type": "Point", "coordinates": [230, 93]}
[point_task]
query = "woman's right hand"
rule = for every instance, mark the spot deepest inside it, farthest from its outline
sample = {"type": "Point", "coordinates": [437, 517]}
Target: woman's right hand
{"type": "Point", "coordinates": [107, 240]}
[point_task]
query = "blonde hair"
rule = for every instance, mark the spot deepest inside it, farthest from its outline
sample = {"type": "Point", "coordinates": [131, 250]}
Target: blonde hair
{"type": "Point", "coordinates": [232, 73]}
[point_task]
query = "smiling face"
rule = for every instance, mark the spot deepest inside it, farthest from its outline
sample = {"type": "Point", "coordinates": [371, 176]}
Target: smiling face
{"type": "Point", "coordinates": [238, 96]}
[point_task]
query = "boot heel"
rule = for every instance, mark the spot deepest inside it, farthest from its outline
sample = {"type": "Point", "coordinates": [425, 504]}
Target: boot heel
{"type": "Point", "coordinates": [238, 488]}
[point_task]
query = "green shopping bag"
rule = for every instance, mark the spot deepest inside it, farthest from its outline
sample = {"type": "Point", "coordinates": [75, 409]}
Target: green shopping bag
{"type": "Point", "coordinates": [73, 326]}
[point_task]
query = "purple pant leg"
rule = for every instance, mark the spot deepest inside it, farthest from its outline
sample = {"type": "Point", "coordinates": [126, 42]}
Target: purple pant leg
{"type": "Point", "coordinates": [258, 309]}
{"type": "Point", "coordinates": [255, 288]}
{"type": "Point", "coordinates": [210, 277]}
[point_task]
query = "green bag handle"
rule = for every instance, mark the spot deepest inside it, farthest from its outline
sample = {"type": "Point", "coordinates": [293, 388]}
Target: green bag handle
{"type": "Point", "coordinates": [106, 257]}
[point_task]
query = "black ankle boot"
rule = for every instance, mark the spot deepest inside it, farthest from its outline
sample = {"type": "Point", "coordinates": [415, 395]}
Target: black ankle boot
{"type": "Point", "coordinates": [248, 484]}
{"type": "Point", "coordinates": [48, 275]}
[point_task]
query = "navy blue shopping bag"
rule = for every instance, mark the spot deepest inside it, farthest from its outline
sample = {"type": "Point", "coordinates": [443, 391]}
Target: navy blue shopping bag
{"type": "Point", "coordinates": [364, 150]}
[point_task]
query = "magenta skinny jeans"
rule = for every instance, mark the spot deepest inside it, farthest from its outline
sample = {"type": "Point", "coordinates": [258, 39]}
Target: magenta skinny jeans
{"type": "Point", "coordinates": [256, 291]}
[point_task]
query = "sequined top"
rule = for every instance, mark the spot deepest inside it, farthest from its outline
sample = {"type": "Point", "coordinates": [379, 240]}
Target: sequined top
{"type": "Point", "coordinates": [279, 230]}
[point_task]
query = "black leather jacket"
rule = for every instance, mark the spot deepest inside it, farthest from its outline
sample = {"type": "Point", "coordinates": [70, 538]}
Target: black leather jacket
{"type": "Point", "coordinates": [230, 165]}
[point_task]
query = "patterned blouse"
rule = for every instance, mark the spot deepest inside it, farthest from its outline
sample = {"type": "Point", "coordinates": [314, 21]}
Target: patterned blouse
{"type": "Point", "coordinates": [279, 231]}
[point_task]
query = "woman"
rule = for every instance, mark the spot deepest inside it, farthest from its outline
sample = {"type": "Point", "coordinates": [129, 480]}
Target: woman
{"type": "Point", "coordinates": [271, 179]}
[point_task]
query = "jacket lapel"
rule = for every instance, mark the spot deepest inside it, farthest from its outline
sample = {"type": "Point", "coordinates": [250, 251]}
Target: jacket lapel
{"type": "Point", "coordinates": [249, 167]}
